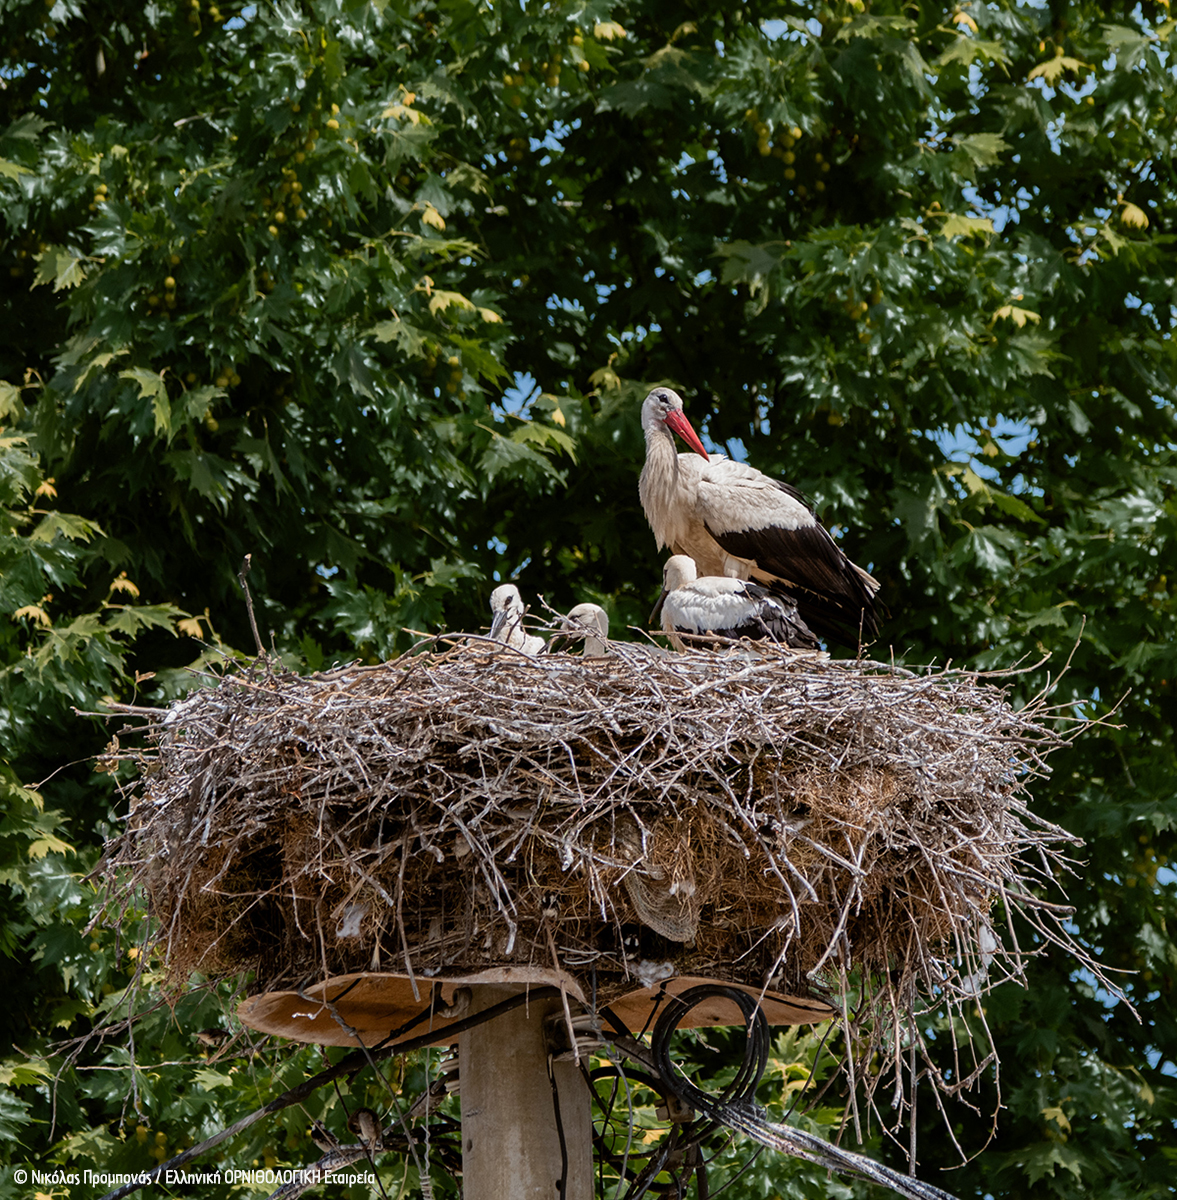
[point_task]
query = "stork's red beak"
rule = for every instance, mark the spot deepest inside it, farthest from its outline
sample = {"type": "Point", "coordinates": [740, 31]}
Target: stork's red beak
{"type": "Point", "coordinates": [680, 425]}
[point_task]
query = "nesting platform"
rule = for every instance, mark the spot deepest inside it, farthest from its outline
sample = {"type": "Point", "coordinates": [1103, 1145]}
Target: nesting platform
{"type": "Point", "coordinates": [622, 826]}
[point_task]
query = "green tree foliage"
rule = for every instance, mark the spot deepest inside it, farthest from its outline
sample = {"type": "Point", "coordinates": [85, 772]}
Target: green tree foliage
{"type": "Point", "coordinates": [372, 291]}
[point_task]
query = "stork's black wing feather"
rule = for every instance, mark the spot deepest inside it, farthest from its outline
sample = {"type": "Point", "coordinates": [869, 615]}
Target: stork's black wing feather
{"type": "Point", "coordinates": [832, 595]}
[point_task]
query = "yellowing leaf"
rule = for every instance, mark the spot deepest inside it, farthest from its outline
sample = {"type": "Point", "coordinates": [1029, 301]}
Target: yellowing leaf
{"type": "Point", "coordinates": [189, 627]}
{"type": "Point", "coordinates": [1052, 69]}
{"type": "Point", "coordinates": [47, 844]}
{"type": "Point", "coordinates": [440, 301]}
{"type": "Point", "coordinates": [1056, 1114]}
{"type": "Point", "coordinates": [464, 175]}
{"type": "Point", "coordinates": [35, 613]}
{"type": "Point", "coordinates": [974, 483]}
{"type": "Point", "coordinates": [123, 584]}
{"type": "Point", "coordinates": [400, 112]}
{"type": "Point", "coordinates": [605, 377]}
{"type": "Point", "coordinates": [490, 316]}
{"type": "Point", "coordinates": [956, 225]}
{"type": "Point", "coordinates": [1133, 217]}
{"type": "Point", "coordinates": [558, 417]}
{"type": "Point", "coordinates": [963, 18]}
{"type": "Point", "coordinates": [46, 488]}
{"type": "Point", "coordinates": [1019, 316]}
{"type": "Point", "coordinates": [433, 218]}
{"type": "Point", "coordinates": [607, 31]}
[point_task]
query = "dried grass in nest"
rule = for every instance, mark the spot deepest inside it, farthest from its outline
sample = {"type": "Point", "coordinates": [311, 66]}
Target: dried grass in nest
{"type": "Point", "coordinates": [752, 818]}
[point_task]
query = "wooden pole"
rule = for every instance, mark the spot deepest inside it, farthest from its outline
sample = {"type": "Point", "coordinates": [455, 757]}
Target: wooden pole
{"type": "Point", "coordinates": [510, 1138]}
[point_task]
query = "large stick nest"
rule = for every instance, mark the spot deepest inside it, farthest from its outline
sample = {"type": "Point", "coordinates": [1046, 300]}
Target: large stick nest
{"type": "Point", "coordinates": [756, 819]}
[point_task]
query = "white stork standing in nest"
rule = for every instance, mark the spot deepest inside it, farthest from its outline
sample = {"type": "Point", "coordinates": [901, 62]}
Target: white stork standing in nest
{"type": "Point", "coordinates": [506, 626]}
{"type": "Point", "coordinates": [724, 607]}
{"type": "Point", "coordinates": [587, 623]}
{"type": "Point", "coordinates": [735, 521]}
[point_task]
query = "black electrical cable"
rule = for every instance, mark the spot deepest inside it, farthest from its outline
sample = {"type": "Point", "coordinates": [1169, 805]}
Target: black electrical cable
{"type": "Point", "coordinates": [605, 1148]}
{"type": "Point", "coordinates": [737, 1108]}
{"type": "Point", "coordinates": [562, 1186]}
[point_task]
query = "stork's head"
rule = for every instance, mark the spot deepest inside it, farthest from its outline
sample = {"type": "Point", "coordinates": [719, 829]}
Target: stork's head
{"type": "Point", "coordinates": [506, 606]}
{"type": "Point", "coordinates": [506, 599]}
{"type": "Point", "coordinates": [591, 618]}
{"type": "Point", "coordinates": [663, 409]}
{"type": "Point", "coordinates": [678, 571]}
{"type": "Point", "coordinates": [587, 623]}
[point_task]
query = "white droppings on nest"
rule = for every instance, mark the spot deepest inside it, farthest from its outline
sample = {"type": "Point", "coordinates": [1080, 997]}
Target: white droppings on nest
{"type": "Point", "coordinates": [758, 815]}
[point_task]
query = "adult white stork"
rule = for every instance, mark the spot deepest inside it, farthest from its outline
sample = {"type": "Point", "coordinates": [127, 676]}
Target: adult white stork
{"type": "Point", "coordinates": [506, 626]}
{"type": "Point", "coordinates": [587, 623]}
{"type": "Point", "coordinates": [736, 521]}
{"type": "Point", "coordinates": [726, 607]}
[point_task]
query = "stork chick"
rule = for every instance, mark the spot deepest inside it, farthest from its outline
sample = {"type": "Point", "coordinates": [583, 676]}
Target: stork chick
{"type": "Point", "coordinates": [587, 623]}
{"type": "Point", "coordinates": [506, 626]}
{"type": "Point", "coordinates": [725, 607]}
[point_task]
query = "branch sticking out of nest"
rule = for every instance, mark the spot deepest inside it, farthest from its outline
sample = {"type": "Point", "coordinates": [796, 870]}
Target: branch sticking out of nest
{"type": "Point", "coordinates": [817, 827]}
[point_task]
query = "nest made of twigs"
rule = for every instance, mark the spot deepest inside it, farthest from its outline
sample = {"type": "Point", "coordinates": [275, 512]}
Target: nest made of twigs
{"type": "Point", "coordinates": [748, 817]}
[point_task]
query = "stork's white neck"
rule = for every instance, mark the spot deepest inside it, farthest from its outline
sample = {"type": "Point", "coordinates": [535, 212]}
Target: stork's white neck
{"type": "Point", "coordinates": [659, 484]}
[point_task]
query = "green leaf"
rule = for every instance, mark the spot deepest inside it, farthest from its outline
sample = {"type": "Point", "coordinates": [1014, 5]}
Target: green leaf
{"type": "Point", "coordinates": [408, 337]}
{"type": "Point", "coordinates": [193, 404]}
{"type": "Point", "coordinates": [210, 1079]}
{"type": "Point", "coordinates": [152, 386]}
{"type": "Point", "coordinates": [870, 26]}
{"type": "Point", "coordinates": [17, 1073]}
{"type": "Point", "coordinates": [958, 225]}
{"type": "Point", "coordinates": [1051, 70]}
{"type": "Point", "coordinates": [964, 49]}
{"type": "Point", "coordinates": [1127, 44]}
{"type": "Point", "coordinates": [989, 548]}
{"type": "Point", "coordinates": [26, 128]}
{"type": "Point", "coordinates": [1014, 507]}
{"type": "Point", "coordinates": [60, 267]}
{"type": "Point", "coordinates": [1039, 1161]}
{"type": "Point", "coordinates": [545, 435]}
{"type": "Point", "coordinates": [1052, 617]}
{"type": "Point", "coordinates": [748, 263]}
{"type": "Point", "coordinates": [1078, 419]}
{"type": "Point", "coordinates": [11, 405]}
{"type": "Point", "coordinates": [985, 149]}
{"type": "Point", "coordinates": [507, 455]}
{"type": "Point", "coordinates": [59, 524]}
{"type": "Point", "coordinates": [14, 1118]}
{"type": "Point", "coordinates": [1140, 654]}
